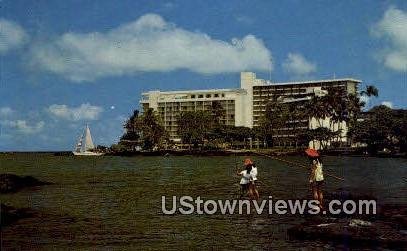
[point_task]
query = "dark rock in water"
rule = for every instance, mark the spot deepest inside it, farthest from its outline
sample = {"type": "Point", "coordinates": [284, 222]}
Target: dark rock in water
{"type": "Point", "coordinates": [353, 232]}
{"type": "Point", "coordinates": [387, 229]}
{"type": "Point", "coordinates": [394, 213]}
{"type": "Point", "coordinates": [10, 183]}
{"type": "Point", "coordinates": [10, 214]}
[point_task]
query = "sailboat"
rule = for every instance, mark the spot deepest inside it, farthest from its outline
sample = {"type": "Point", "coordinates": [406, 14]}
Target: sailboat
{"type": "Point", "coordinates": [85, 145]}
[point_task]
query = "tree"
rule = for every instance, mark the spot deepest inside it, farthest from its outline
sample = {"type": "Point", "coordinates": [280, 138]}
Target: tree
{"type": "Point", "coordinates": [370, 91]}
{"type": "Point", "coordinates": [152, 131]}
{"type": "Point", "coordinates": [235, 134]}
{"type": "Point", "coordinates": [145, 130]}
{"type": "Point", "coordinates": [296, 114]}
{"type": "Point", "coordinates": [317, 109]}
{"type": "Point", "coordinates": [132, 127]}
{"type": "Point", "coordinates": [376, 130]}
{"type": "Point", "coordinates": [354, 106]}
{"type": "Point", "coordinates": [272, 120]}
{"type": "Point", "coordinates": [217, 111]}
{"type": "Point", "coordinates": [399, 129]}
{"type": "Point", "coordinates": [194, 127]}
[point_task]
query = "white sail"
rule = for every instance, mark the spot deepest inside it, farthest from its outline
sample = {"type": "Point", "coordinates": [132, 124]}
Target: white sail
{"type": "Point", "coordinates": [85, 145]}
{"type": "Point", "coordinates": [88, 139]}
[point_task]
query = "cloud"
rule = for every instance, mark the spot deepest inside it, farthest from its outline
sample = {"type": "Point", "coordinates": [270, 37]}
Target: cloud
{"type": "Point", "coordinates": [388, 104]}
{"type": "Point", "coordinates": [296, 64]}
{"type": "Point", "coordinates": [82, 112]}
{"type": "Point", "coordinates": [244, 19]}
{"type": "Point", "coordinates": [9, 121]}
{"type": "Point", "coordinates": [5, 111]}
{"type": "Point", "coordinates": [393, 29]}
{"type": "Point", "coordinates": [149, 44]}
{"type": "Point", "coordinates": [23, 126]}
{"type": "Point", "coordinates": [12, 36]}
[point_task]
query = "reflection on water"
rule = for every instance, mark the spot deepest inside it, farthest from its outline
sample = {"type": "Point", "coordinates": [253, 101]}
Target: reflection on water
{"type": "Point", "coordinates": [115, 202]}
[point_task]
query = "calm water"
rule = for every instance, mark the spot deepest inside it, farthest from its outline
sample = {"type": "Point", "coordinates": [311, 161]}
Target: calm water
{"type": "Point", "coordinates": [115, 202]}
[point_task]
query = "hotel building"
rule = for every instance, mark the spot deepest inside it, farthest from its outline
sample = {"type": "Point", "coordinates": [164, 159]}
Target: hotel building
{"type": "Point", "coordinates": [246, 105]}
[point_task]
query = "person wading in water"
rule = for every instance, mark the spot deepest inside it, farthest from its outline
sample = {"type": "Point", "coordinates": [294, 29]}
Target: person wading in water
{"type": "Point", "coordinates": [316, 180]}
{"type": "Point", "coordinates": [316, 177]}
{"type": "Point", "coordinates": [247, 183]}
{"type": "Point", "coordinates": [253, 192]}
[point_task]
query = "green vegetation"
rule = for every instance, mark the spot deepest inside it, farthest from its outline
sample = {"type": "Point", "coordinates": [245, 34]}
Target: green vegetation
{"type": "Point", "coordinates": [194, 127]}
{"type": "Point", "coordinates": [339, 107]}
{"type": "Point", "coordinates": [382, 128]}
{"type": "Point", "coordinates": [203, 129]}
{"type": "Point", "coordinates": [144, 131]}
{"type": "Point", "coordinates": [275, 117]}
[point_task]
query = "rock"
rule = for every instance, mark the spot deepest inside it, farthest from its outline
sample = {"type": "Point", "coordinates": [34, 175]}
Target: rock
{"type": "Point", "coordinates": [10, 183]}
{"type": "Point", "coordinates": [387, 229]}
{"type": "Point", "coordinates": [346, 231]}
{"type": "Point", "coordinates": [10, 214]}
{"type": "Point", "coordinates": [394, 213]}
{"type": "Point", "coordinates": [359, 223]}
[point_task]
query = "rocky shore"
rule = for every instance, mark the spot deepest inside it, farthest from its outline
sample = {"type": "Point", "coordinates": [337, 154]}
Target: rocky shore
{"type": "Point", "coordinates": [387, 228]}
{"type": "Point", "coordinates": [10, 214]}
{"type": "Point", "coordinates": [11, 183]}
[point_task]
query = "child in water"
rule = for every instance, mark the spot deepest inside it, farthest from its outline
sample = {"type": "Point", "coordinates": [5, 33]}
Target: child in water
{"type": "Point", "coordinates": [316, 180]}
{"type": "Point", "coordinates": [247, 182]}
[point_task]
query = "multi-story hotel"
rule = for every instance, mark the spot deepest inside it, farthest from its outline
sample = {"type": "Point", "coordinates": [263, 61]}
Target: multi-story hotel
{"type": "Point", "coordinates": [246, 105]}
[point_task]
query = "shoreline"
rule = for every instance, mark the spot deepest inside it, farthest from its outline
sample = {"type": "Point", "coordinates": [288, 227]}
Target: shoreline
{"type": "Point", "coordinates": [231, 152]}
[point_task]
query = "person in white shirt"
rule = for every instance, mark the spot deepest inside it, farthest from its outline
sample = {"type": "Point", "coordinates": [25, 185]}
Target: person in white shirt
{"type": "Point", "coordinates": [247, 181]}
{"type": "Point", "coordinates": [254, 172]}
{"type": "Point", "coordinates": [316, 180]}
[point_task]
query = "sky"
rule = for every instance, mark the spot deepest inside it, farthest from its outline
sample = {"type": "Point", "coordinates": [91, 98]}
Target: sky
{"type": "Point", "coordinates": [67, 63]}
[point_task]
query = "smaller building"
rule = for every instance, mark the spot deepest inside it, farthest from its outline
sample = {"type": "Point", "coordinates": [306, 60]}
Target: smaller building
{"type": "Point", "coordinates": [169, 106]}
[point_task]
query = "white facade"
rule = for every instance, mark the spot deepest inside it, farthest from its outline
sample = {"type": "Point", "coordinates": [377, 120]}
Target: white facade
{"type": "Point", "coordinates": [243, 106]}
{"type": "Point", "coordinates": [170, 104]}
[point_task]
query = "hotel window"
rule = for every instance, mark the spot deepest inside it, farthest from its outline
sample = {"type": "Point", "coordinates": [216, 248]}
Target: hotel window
{"type": "Point", "coordinates": [192, 96]}
{"type": "Point", "coordinates": [223, 95]}
{"type": "Point", "coordinates": [208, 95]}
{"type": "Point", "coordinates": [200, 96]}
{"type": "Point", "coordinates": [216, 95]}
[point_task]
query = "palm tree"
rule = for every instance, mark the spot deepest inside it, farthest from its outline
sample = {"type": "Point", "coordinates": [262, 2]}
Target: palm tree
{"type": "Point", "coordinates": [272, 120]}
{"type": "Point", "coordinates": [317, 109]}
{"type": "Point", "coordinates": [194, 127]}
{"type": "Point", "coordinates": [131, 137]}
{"type": "Point", "coordinates": [354, 105]}
{"type": "Point", "coordinates": [370, 91]}
{"type": "Point", "coordinates": [294, 118]}
{"type": "Point", "coordinates": [353, 109]}
{"type": "Point", "coordinates": [336, 105]}
{"type": "Point", "coordinates": [321, 108]}
{"type": "Point", "coordinates": [131, 124]}
{"type": "Point", "coordinates": [217, 111]}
